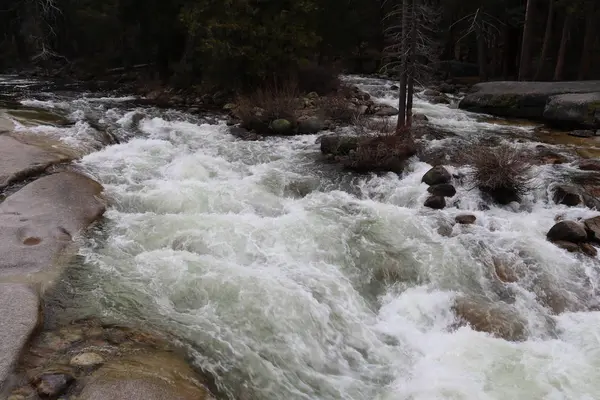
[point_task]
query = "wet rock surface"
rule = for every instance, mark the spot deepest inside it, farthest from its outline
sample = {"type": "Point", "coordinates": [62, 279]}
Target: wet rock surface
{"type": "Point", "coordinates": [568, 231]}
{"type": "Point", "coordinates": [19, 160]}
{"type": "Point", "coordinates": [437, 176]}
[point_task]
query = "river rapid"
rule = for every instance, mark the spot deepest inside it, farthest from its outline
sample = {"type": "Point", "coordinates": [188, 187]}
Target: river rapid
{"type": "Point", "coordinates": [287, 278]}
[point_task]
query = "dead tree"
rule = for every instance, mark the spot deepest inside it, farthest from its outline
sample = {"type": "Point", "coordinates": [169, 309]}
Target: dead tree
{"type": "Point", "coordinates": [411, 50]}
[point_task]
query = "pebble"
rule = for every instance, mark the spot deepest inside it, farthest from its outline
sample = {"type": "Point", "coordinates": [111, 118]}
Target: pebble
{"type": "Point", "coordinates": [86, 360]}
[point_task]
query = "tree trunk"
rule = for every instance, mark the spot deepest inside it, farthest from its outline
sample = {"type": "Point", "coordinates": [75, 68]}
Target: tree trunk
{"type": "Point", "coordinates": [481, 50]}
{"type": "Point", "coordinates": [547, 39]}
{"type": "Point", "coordinates": [411, 64]}
{"type": "Point", "coordinates": [562, 52]}
{"type": "Point", "coordinates": [588, 42]}
{"type": "Point", "coordinates": [525, 61]}
{"type": "Point", "coordinates": [403, 70]}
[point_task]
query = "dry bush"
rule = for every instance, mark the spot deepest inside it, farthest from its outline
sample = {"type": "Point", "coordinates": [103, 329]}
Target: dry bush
{"type": "Point", "coordinates": [381, 153]}
{"type": "Point", "coordinates": [337, 108]}
{"type": "Point", "coordinates": [257, 110]}
{"type": "Point", "coordinates": [503, 171]}
{"type": "Point", "coordinates": [319, 79]}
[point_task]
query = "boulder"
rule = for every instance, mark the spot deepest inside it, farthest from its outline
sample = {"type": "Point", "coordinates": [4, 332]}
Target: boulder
{"type": "Point", "coordinates": [394, 87]}
{"type": "Point", "coordinates": [386, 111]}
{"type": "Point", "coordinates": [567, 195]}
{"type": "Point", "coordinates": [436, 175]}
{"type": "Point", "coordinates": [338, 145]}
{"type": "Point", "coordinates": [52, 385]}
{"type": "Point", "coordinates": [310, 126]}
{"type": "Point", "coordinates": [432, 93]}
{"type": "Point", "coordinates": [418, 117]}
{"type": "Point", "coordinates": [6, 125]}
{"type": "Point", "coordinates": [155, 376]}
{"type": "Point", "coordinates": [442, 189]}
{"type": "Point", "coordinates": [592, 226]}
{"type": "Point", "coordinates": [496, 318]}
{"type": "Point", "coordinates": [575, 109]}
{"type": "Point", "coordinates": [569, 231]}
{"type": "Point", "coordinates": [19, 161]}
{"type": "Point", "coordinates": [465, 219]}
{"type": "Point", "coordinates": [435, 202]}
{"type": "Point", "coordinates": [529, 99]}
{"type": "Point", "coordinates": [19, 311]}
{"type": "Point", "coordinates": [39, 221]}
{"type": "Point", "coordinates": [281, 127]}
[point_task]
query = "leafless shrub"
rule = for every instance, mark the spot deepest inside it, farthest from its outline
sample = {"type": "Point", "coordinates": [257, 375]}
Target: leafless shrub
{"type": "Point", "coordinates": [257, 110]}
{"type": "Point", "coordinates": [381, 153]}
{"type": "Point", "coordinates": [337, 108]}
{"type": "Point", "coordinates": [503, 171]}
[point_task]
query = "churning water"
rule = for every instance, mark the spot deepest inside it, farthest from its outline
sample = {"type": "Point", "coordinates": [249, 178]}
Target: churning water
{"type": "Point", "coordinates": [289, 279]}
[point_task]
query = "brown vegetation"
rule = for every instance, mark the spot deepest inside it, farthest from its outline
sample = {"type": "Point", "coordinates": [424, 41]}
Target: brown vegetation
{"type": "Point", "coordinates": [265, 105]}
{"type": "Point", "coordinates": [381, 153]}
{"type": "Point", "coordinates": [365, 125]}
{"type": "Point", "coordinates": [502, 172]}
{"type": "Point", "coordinates": [337, 108]}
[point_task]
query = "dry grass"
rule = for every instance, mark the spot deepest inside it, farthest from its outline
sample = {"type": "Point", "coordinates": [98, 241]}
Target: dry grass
{"type": "Point", "coordinates": [503, 172]}
{"type": "Point", "coordinates": [257, 110]}
{"type": "Point", "coordinates": [337, 108]}
{"type": "Point", "coordinates": [381, 153]}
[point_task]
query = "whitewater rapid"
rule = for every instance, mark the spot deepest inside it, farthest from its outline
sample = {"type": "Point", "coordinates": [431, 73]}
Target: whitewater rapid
{"type": "Point", "coordinates": [288, 278]}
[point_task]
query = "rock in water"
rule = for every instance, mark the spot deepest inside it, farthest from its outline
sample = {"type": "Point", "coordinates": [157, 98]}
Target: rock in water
{"type": "Point", "coordinates": [436, 176]}
{"type": "Point", "coordinates": [386, 111]}
{"type": "Point", "coordinates": [568, 246]}
{"type": "Point", "coordinates": [592, 226]}
{"type": "Point", "coordinates": [582, 133]}
{"type": "Point", "coordinates": [420, 117]}
{"type": "Point", "coordinates": [498, 319]}
{"type": "Point", "coordinates": [52, 385]}
{"type": "Point", "coordinates": [465, 219]}
{"type": "Point", "coordinates": [338, 145]}
{"type": "Point", "coordinates": [589, 249]}
{"type": "Point", "coordinates": [85, 360]}
{"type": "Point", "coordinates": [589, 165]}
{"type": "Point", "coordinates": [281, 127]}
{"type": "Point", "coordinates": [569, 231]}
{"type": "Point", "coordinates": [442, 189]}
{"type": "Point", "coordinates": [435, 202]}
{"type": "Point", "coordinates": [310, 126]}
{"type": "Point", "coordinates": [567, 195]}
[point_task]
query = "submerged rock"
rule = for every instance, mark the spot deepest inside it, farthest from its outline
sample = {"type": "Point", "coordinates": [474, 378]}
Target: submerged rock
{"type": "Point", "coordinates": [589, 165]}
{"type": "Point", "coordinates": [465, 219]}
{"type": "Point", "coordinates": [436, 175]}
{"type": "Point", "coordinates": [435, 202]}
{"type": "Point", "coordinates": [85, 360]}
{"type": "Point", "coordinates": [568, 246]}
{"type": "Point", "coordinates": [53, 384]}
{"type": "Point", "coordinates": [583, 133]}
{"type": "Point", "coordinates": [588, 249]}
{"type": "Point", "coordinates": [442, 189]}
{"type": "Point", "coordinates": [498, 319]}
{"type": "Point", "coordinates": [569, 231]}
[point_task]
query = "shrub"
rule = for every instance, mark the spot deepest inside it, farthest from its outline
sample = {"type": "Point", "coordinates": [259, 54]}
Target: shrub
{"type": "Point", "coordinates": [258, 110]}
{"type": "Point", "coordinates": [381, 153]}
{"type": "Point", "coordinates": [503, 172]}
{"type": "Point", "coordinates": [337, 108]}
{"type": "Point", "coordinates": [319, 79]}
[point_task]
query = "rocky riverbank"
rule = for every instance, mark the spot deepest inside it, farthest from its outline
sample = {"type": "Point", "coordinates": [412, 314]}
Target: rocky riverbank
{"type": "Point", "coordinates": [48, 205]}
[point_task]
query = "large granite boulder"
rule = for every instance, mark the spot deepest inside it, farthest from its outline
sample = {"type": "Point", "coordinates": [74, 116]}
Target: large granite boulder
{"type": "Point", "coordinates": [529, 99]}
{"type": "Point", "coordinates": [574, 109]}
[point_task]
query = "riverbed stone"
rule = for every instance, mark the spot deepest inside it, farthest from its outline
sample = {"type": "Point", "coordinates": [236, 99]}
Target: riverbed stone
{"type": "Point", "coordinates": [386, 111]}
{"type": "Point", "coordinates": [435, 202]}
{"type": "Point", "coordinates": [51, 385]}
{"type": "Point", "coordinates": [281, 127]}
{"type": "Point", "coordinates": [568, 246]}
{"type": "Point", "coordinates": [567, 195]}
{"type": "Point", "coordinates": [6, 125]}
{"type": "Point", "coordinates": [589, 165]}
{"type": "Point", "coordinates": [588, 249]}
{"type": "Point", "coordinates": [338, 145]}
{"type": "Point", "coordinates": [442, 189]}
{"type": "Point", "coordinates": [19, 312]}
{"type": "Point", "coordinates": [575, 109]}
{"type": "Point", "coordinates": [436, 176]}
{"type": "Point", "coordinates": [592, 226]}
{"type": "Point", "coordinates": [569, 231]}
{"type": "Point", "coordinates": [39, 221]}
{"type": "Point", "coordinates": [465, 219]}
{"type": "Point", "coordinates": [496, 318]}
{"type": "Point", "coordinates": [85, 360]}
{"type": "Point", "coordinates": [154, 376]}
{"type": "Point", "coordinates": [19, 160]}
{"type": "Point", "coordinates": [583, 133]}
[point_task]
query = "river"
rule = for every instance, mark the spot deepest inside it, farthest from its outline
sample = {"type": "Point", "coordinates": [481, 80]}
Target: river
{"type": "Point", "coordinates": [288, 278]}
